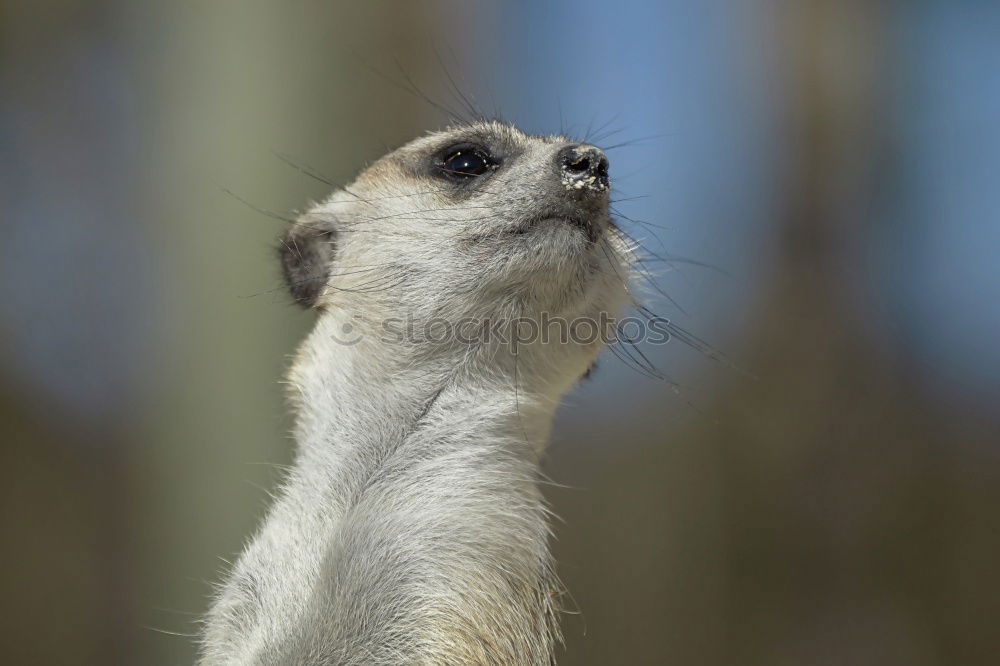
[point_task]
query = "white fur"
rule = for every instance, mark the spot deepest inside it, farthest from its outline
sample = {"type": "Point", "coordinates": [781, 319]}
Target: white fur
{"type": "Point", "coordinates": [411, 529]}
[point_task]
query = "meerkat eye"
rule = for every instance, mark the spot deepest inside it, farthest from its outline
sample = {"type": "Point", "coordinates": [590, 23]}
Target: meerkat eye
{"type": "Point", "coordinates": [466, 162]}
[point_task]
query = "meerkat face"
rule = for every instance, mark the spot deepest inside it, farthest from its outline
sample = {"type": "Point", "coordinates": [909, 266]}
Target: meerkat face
{"type": "Point", "coordinates": [469, 221]}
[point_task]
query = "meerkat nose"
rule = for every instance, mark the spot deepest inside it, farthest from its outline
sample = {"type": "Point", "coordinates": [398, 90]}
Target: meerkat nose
{"type": "Point", "coordinates": [583, 167]}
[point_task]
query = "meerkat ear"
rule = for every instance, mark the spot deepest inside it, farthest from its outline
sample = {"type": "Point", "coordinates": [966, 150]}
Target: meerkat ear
{"type": "Point", "coordinates": [306, 253]}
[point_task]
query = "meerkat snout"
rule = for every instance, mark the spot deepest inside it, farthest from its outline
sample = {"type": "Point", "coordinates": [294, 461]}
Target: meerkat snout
{"type": "Point", "coordinates": [584, 167]}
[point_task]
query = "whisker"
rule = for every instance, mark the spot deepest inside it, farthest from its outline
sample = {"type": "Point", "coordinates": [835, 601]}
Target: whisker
{"type": "Point", "coordinates": [637, 141]}
{"type": "Point", "coordinates": [309, 171]}
{"type": "Point", "coordinates": [262, 211]}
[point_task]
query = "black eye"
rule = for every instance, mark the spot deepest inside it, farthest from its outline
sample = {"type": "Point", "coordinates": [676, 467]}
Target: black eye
{"type": "Point", "coordinates": [466, 163]}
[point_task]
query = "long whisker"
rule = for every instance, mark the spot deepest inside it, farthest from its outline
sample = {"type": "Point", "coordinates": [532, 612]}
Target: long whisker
{"type": "Point", "coordinates": [307, 170]}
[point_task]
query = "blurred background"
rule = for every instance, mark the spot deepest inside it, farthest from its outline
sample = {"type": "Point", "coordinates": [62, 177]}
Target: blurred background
{"type": "Point", "coordinates": [836, 500]}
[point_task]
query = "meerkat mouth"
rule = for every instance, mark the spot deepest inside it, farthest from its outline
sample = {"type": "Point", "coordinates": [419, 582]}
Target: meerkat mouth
{"type": "Point", "coordinates": [590, 228]}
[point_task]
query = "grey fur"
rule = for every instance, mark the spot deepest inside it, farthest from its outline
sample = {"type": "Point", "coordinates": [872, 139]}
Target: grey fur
{"type": "Point", "coordinates": [411, 529]}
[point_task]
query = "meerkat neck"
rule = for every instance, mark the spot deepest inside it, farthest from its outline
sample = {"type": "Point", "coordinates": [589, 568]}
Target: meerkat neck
{"type": "Point", "coordinates": [418, 494]}
{"type": "Point", "coordinates": [357, 392]}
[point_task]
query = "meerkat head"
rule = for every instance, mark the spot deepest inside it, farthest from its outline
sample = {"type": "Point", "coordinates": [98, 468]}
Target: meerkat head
{"type": "Point", "coordinates": [476, 221]}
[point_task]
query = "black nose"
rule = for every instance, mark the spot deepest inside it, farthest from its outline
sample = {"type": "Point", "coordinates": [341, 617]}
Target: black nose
{"type": "Point", "coordinates": [583, 167]}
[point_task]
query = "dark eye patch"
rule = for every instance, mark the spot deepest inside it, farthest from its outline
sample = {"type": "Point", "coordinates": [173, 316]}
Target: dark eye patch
{"type": "Point", "coordinates": [466, 161]}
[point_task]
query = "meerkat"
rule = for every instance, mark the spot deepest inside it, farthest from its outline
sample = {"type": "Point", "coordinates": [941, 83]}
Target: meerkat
{"type": "Point", "coordinates": [411, 528]}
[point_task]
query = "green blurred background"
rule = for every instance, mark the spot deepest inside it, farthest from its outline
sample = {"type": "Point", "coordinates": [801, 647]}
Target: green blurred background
{"type": "Point", "coordinates": [835, 160]}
